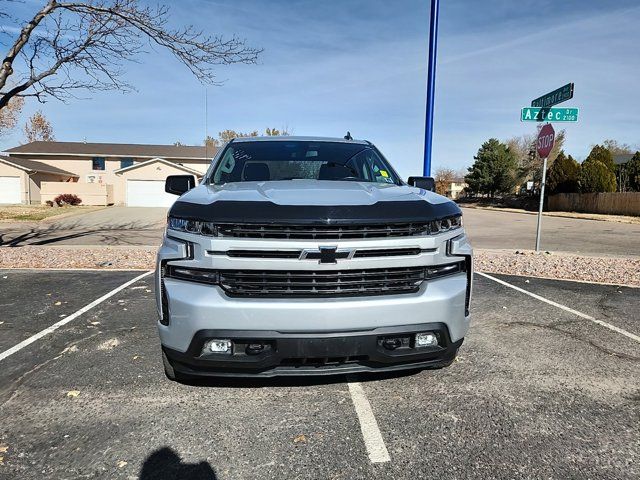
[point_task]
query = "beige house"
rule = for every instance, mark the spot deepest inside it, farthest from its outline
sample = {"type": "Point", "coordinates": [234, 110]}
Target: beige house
{"type": "Point", "coordinates": [455, 188]}
{"type": "Point", "coordinates": [99, 173]}
{"type": "Point", "coordinates": [20, 179]}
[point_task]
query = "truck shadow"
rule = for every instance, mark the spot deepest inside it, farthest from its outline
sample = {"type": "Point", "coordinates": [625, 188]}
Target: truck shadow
{"type": "Point", "coordinates": [166, 464]}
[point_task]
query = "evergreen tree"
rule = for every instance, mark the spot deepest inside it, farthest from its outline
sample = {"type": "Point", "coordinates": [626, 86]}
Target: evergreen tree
{"type": "Point", "coordinates": [494, 170]}
{"type": "Point", "coordinates": [563, 175]}
{"type": "Point", "coordinates": [602, 154]}
{"type": "Point", "coordinates": [595, 176]}
{"type": "Point", "coordinates": [633, 172]}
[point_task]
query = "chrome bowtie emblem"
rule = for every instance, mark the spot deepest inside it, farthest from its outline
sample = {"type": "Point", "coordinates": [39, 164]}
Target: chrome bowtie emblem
{"type": "Point", "coordinates": [327, 254]}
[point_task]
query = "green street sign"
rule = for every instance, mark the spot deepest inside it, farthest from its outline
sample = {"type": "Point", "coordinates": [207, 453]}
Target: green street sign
{"type": "Point", "coordinates": [531, 114]}
{"type": "Point", "coordinates": [559, 95]}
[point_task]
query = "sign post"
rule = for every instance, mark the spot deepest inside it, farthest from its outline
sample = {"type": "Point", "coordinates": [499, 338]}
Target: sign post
{"type": "Point", "coordinates": [544, 144]}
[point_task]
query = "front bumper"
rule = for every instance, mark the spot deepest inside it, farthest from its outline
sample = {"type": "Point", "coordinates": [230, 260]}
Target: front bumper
{"type": "Point", "coordinates": [313, 353]}
{"type": "Point", "coordinates": [194, 307]}
{"type": "Point", "coordinates": [188, 309]}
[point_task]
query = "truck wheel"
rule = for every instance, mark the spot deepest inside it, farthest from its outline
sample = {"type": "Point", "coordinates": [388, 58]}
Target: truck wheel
{"type": "Point", "coordinates": [168, 368]}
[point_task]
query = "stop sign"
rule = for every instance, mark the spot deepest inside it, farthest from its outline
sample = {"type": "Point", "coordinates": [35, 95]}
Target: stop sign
{"type": "Point", "coordinates": [546, 138]}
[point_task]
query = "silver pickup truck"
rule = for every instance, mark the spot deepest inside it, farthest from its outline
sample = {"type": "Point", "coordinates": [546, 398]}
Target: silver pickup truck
{"type": "Point", "coordinates": [309, 256]}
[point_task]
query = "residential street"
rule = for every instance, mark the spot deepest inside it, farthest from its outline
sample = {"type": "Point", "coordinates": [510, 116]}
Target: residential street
{"type": "Point", "coordinates": [488, 229]}
{"type": "Point", "coordinates": [498, 229]}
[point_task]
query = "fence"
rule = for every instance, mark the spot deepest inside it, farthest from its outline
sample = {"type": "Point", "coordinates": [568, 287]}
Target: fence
{"type": "Point", "coordinates": [624, 203]}
{"type": "Point", "coordinates": [89, 193]}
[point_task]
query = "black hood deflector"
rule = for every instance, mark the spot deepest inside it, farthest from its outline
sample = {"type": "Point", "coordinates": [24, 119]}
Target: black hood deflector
{"type": "Point", "coordinates": [226, 211]}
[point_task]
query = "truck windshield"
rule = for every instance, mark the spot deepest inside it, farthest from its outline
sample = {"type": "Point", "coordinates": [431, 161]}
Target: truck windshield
{"type": "Point", "coordinates": [262, 161]}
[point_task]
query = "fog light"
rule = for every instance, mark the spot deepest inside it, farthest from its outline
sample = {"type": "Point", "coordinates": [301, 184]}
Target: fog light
{"type": "Point", "coordinates": [426, 339]}
{"type": "Point", "coordinates": [217, 345]}
{"type": "Point", "coordinates": [392, 343]}
{"type": "Point", "coordinates": [255, 348]}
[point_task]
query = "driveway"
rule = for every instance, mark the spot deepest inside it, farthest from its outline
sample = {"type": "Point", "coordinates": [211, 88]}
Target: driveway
{"type": "Point", "coordinates": [108, 226]}
{"type": "Point", "coordinates": [539, 390]}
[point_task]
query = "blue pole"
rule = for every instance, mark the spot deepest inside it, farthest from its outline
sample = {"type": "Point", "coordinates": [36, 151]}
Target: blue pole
{"type": "Point", "coordinates": [431, 86]}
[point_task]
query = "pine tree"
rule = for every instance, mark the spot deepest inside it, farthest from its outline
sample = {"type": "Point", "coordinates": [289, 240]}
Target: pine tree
{"type": "Point", "coordinates": [595, 177]}
{"type": "Point", "coordinates": [494, 169]}
{"type": "Point", "coordinates": [564, 174]}
{"type": "Point", "coordinates": [633, 172]}
{"type": "Point", "coordinates": [602, 154]}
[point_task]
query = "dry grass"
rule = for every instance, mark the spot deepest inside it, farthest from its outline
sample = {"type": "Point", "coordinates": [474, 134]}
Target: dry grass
{"type": "Point", "coordinates": [35, 213]}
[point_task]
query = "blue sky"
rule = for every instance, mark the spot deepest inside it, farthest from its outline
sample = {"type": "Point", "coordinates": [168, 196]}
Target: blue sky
{"type": "Point", "coordinates": [360, 65]}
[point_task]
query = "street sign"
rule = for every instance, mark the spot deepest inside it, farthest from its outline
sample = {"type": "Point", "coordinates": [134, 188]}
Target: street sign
{"type": "Point", "coordinates": [537, 114]}
{"type": "Point", "coordinates": [546, 137]}
{"type": "Point", "coordinates": [560, 95]}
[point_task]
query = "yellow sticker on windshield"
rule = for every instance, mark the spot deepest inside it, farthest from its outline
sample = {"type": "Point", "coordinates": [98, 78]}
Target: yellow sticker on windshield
{"type": "Point", "coordinates": [384, 173]}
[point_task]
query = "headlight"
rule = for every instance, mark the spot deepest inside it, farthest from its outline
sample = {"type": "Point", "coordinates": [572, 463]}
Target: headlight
{"type": "Point", "coordinates": [192, 226]}
{"type": "Point", "coordinates": [199, 275]}
{"type": "Point", "coordinates": [444, 270]}
{"type": "Point", "coordinates": [445, 225]}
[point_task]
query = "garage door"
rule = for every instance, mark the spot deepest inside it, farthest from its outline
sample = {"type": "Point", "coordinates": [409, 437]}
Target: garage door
{"type": "Point", "coordinates": [148, 193]}
{"type": "Point", "coordinates": [10, 190]}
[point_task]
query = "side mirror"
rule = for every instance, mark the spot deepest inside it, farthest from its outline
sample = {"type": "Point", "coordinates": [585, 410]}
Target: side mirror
{"type": "Point", "coordinates": [426, 183]}
{"type": "Point", "coordinates": [178, 184]}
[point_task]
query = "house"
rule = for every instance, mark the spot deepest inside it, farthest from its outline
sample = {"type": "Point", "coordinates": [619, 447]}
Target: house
{"type": "Point", "coordinates": [99, 173]}
{"type": "Point", "coordinates": [455, 188]}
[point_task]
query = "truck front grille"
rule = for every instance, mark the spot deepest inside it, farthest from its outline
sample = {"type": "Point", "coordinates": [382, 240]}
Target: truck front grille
{"type": "Point", "coordinates": [323, 231]}
{"type": "Point", "coordinates": [296, 283]}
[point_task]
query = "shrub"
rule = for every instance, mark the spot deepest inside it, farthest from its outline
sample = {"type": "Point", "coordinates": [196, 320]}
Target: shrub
{"type": "Point", "coordinates": [67, 199]}
{"type": "Point", "coordinates": [49, 203]}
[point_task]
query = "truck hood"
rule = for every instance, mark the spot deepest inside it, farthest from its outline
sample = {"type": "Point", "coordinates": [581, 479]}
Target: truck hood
{"type": "Point", "coordinates": [309, 192]}
{"type": "Point", "coordinates": [311, 201]}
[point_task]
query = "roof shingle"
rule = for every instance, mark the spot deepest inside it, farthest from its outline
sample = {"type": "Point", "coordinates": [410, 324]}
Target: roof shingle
{"type": "Point", "coordinates": [32, 165]}
{"type": "Point", "coordinates": [115, 150]}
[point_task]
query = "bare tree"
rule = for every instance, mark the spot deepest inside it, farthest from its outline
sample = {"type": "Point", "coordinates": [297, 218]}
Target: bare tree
{"type": "Point", "coordinates": [226, 136]}
{"type": "Point", "coordinates": [10, 114]}
{"type": "Point", "coordinates": [443, 178]}
{"type": "Point", "coordinates": [38, 128]}
{"type": "Point", "coordinates": [616, 148]}
{"type": "Point", "coordinates": [529, 162]}
{"type": "Point", "coordinates": [82, 45]}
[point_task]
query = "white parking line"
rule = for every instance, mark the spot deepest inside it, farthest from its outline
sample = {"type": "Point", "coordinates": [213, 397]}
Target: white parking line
{"type": "Point", "coordinates": [73, 316]}
{"type": "Point", "coordinates": [565, 308]}
{"type": "Point", "coordinates": [371, 433]}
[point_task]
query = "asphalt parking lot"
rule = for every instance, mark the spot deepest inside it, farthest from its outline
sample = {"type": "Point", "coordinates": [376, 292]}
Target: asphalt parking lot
{"type": "Point", "coordinates": [538, 391]}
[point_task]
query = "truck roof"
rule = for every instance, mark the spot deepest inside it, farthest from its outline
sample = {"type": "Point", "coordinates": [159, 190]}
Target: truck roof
{"type": "Point", "coordinates": [298, 139]}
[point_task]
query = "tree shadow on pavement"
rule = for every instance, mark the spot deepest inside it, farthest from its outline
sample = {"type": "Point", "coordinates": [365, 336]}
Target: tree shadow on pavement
{"type": "Point", "coordinates": [165, 464]}
{"type": "Point", "coordinates": [110, 234]}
